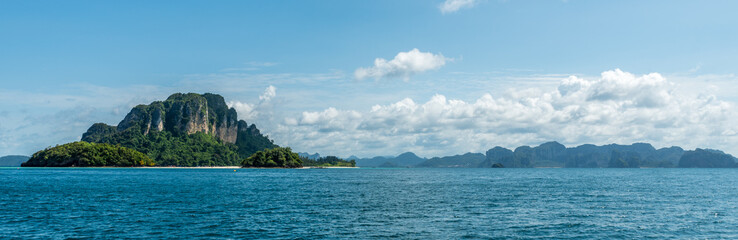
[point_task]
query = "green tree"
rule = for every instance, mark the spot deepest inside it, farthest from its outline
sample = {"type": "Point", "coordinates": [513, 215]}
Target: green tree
{"type": "Point", "coordinates": [271, 158]}
{"type": "Point", "coordinates": [84, 154]}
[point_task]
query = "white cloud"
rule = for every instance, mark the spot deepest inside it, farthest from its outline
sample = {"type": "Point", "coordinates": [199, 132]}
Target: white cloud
{"type": "Point", "coordinates": [617, 107]}
{"type": "Point", "coordinates": [403, 65]}
{"type": "Point", "coordinates": [250, 112]}
{"type": "Point", "coordinates": [450, 6]}
{"type": "Point", "coordinates": [268, 94]}
{"type": "Point", "coordinates": [244, 110]}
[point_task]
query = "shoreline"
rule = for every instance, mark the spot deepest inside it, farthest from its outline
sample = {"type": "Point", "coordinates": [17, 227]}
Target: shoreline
{"type": "Point", "coordinates": [213, 167]}
{"type": "Point", "coordinates": [202, 167]}
{"type": "Point", "coordinates": [317, 167]}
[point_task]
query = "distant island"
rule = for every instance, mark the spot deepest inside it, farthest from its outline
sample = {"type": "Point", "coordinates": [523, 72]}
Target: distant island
{"type": "Point", "coordinates": [554, 154]}
{"type": "Point", "coordinates": [13, 160]}
{"type": "Point", "coordinates": [184, 130]}
{"type": "Point", "coordinates": [285, 158]}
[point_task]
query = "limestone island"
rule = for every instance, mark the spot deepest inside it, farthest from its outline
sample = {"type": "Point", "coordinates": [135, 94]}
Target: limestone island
{"type": "Point", "coordinates": [185, 130]}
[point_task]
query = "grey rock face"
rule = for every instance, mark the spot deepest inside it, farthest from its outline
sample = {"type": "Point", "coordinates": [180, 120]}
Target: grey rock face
{"type": "Point", "coordinates": [186, 114]}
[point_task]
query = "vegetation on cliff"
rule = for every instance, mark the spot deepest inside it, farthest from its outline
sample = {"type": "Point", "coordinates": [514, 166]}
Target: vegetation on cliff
{"type": "Point", "coordinates": [184, 130]}
{"type": "Point", "coordinates": [188, 150]}
{"type": "Point", "coordinates": [84, 154]}
{"type": "Point", "coordinates": [273, 158]}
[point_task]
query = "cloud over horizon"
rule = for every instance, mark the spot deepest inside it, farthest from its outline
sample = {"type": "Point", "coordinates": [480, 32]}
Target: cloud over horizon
{"type": "Point", "coordinates": [614, 107]}
{"type": "Point", "coordinates": [617, 107]}
{"type": "Point", "coordinates": [403, 65]}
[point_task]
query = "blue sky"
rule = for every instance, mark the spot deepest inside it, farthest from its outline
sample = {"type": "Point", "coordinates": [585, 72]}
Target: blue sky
{"type": "Point", "coordinates": [67, 64]}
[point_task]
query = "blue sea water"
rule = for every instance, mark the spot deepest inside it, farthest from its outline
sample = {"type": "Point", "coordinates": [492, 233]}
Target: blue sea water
{"type": "Point", "coordinates": [368, 203]}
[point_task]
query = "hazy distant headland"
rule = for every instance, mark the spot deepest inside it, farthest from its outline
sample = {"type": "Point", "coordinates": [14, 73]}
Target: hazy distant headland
{"type": "Point", "coordinates": [554, 154]}
{"type": "Point", "coordinates": [12, 160]}
{"type": "Point", "coordinates": [201, 130]}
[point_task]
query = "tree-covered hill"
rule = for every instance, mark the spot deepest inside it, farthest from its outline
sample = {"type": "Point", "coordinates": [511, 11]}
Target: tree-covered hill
{"type": "Point", "coordinates": [273, 158]}
{"type": "Point", "coordinates": [84, 154]}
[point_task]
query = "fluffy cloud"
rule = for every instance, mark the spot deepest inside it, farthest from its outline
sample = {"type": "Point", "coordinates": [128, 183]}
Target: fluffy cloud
{"type": "Point", "coordinates": [244, 110]}
{"type": "Point", "coordinates": [403, 65]}
{"type": "Point", "coordinates": [450, 6]}
{"type": "Point", "coordinates": [268, 94]}
{"type": "Point", "coordinates": [249, 111]}
{"type": "Point", "coordinates": [617, 107]}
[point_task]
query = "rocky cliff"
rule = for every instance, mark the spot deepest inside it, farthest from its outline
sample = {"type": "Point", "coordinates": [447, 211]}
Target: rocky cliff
{"type": "Point", "coordinates": [182, 115]}
{"type": "Point", "coordinates": [185, 114]}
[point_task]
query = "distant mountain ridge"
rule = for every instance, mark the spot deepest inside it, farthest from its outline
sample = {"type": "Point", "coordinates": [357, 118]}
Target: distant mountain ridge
{"type": "Point", "coordinates": [407, 159]}
{"type": "Point", "coordinates": [554, 154]}
{"type": "Point", "coordinates": [467, 160]}
{"type": "Point", "coordinates": [13, 160]}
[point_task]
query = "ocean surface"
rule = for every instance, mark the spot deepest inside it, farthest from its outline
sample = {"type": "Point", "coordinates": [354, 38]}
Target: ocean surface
{"type": "Point", "coordinates": [118, 203]}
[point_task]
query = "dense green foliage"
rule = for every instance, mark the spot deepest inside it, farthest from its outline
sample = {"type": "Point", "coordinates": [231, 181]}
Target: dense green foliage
{"type": "Point", "coordinates": [98, 131]}
{"type": "Point", "coordinates": [12, 160]}
{"type": "Point", "coordinates": [250, 140]}
{"type": "Point", "coordinates": [84, 154]}
{"type": "Point", "coordinates": [168, 149]}
{"type": "Point", "coordinates": [273, 158]}
{"type": "Point", "coordinates": [329, 161]}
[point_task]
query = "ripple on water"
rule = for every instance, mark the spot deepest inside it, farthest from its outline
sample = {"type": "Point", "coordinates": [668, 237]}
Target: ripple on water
{"type": "Point", "coordinates": [369, 203]}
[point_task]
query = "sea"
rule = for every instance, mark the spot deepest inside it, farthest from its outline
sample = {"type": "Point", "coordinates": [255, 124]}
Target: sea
{"type": "Point", "coordinates": [368, 203]}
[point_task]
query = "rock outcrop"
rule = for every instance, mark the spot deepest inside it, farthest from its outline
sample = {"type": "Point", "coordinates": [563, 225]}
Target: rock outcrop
{"type": "Point", "coordinates": [184, 114]}
{"type": "Point", "coordinates": [180, 114]}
